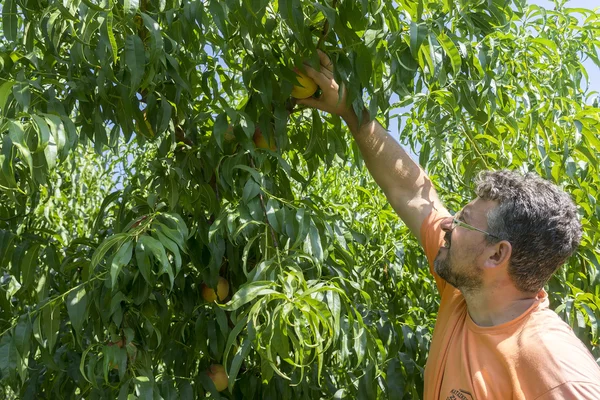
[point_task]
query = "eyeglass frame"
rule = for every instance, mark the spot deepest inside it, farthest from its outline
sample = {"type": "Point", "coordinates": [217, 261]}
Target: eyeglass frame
{"type": "Point", "coordinates": [456, 222]}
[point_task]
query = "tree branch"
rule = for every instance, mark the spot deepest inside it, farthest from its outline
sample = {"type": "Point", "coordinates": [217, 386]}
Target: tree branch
{"type": "Point", "coordinates": [325, 30]}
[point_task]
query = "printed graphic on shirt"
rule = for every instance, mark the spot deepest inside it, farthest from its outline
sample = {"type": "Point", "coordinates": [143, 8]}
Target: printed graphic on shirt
{"type": "Point", "coordinates": [460, 394]}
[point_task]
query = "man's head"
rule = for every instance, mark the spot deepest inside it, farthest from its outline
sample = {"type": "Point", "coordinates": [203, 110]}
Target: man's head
{"type": "Point", "coordinates": [526, 229]}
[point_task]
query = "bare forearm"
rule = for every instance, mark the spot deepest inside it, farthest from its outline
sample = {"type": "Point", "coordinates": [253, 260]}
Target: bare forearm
{"type": "Point", "coordinates": [387, 161]}
{"type": "Point", "coordinates": [407, 187]}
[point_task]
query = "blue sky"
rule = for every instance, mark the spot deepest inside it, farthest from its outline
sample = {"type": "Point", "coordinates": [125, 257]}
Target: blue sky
{"type": "Point", "coordinates": [591, 68]}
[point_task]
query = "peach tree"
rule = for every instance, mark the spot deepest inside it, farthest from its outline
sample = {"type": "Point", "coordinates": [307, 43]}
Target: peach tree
{"type": "Point", "coordinates": [132, 180]}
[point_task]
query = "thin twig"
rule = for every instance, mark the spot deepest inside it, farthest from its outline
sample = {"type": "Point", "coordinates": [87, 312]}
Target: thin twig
{"type": "Point", "coordinates": [473, 142]}
{"type": "Point", "coordinates": [325, 30]}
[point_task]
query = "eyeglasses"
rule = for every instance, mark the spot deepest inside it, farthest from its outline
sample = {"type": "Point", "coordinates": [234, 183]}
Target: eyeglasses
{"type": "Point", "coordinates": [456, 222]}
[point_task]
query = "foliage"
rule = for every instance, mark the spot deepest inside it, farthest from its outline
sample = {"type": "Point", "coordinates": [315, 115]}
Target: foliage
{"type": "Point", "coordinates": [104, 252]}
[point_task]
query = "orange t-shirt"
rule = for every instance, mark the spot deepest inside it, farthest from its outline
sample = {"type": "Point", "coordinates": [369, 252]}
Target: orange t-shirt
{"type": "Point", "coordinates": [533, 357]}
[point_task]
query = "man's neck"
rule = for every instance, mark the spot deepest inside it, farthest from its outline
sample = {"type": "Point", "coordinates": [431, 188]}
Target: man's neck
{"type": "Point", "coordinates": [491, 307]}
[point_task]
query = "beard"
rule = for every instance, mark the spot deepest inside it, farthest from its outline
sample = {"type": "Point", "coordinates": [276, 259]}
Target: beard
{"type": "Point", "coordinates": [465, 281]}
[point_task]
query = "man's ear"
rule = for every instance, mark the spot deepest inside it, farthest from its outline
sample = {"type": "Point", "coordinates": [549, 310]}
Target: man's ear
{"type": "Point", "coordinates": [498, 254]}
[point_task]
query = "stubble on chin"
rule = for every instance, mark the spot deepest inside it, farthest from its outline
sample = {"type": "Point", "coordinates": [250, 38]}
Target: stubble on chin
{"type": "Point", "coordinates": [442, 268]}
{"type": "Point", "coordinates": [461, 281]}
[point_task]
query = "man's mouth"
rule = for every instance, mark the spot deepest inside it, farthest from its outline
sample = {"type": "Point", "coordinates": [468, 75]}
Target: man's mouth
{"type": "Point", "coordinates": [447, 241]}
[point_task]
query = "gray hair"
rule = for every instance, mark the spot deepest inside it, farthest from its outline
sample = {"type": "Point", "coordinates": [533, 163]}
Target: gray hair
{"type": "Point", "coordinates": [537, 218]}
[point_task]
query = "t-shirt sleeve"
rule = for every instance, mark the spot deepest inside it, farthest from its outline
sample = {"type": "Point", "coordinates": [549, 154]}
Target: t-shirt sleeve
{"type": "Point", "coordinates": [432, 238]}
{"type": "Point", "coordinates": [573, 390]}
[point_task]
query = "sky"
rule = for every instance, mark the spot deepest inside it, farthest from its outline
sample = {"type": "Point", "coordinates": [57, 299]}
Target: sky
{"type": "Point", "coordinates": [591, 68]}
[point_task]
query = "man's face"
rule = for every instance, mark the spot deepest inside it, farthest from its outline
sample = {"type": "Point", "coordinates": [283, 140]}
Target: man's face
{"type": "Point", "coordinates": [459, 260]}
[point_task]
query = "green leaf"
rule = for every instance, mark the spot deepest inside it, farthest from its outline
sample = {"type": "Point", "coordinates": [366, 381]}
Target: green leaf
{"type": "Point", "coordinates": [216, 10]}
{"type": "Point", "coordinates": [142, 258]}
{"type": "Point", "coordinates": [22, 336]}
{"type": "Point", "coordinates": [100, 217]}
{"type": "Point", "coordinates": [156, 42]}
{"type": "Point", "coordinates": [251, 190]}
{"type": "Point", "coordinates": [9, 20]}
{"type": "Point", "coordinates": [58, 140]}
{"type": "Point", "coordinates": [592, 319]}
{"type": "Point", "coordinates": [77, 302]}
{"type": "Point", "coordinates": [237, 329]}
{"type": "Point", "coordinates": [238, 359]}
{"type": "Point", "coordinates": [51, 324]}
{"type": "Point", "coordinates": [179, 224]}
{"type": "Point", "coordinates": [395, 379]}
{"type": "Point", "coordinates": [303, 227]}
{"type": "Point", "coordinates": [247, 124]}
{"type": "Point", "coordinates": [545, 43]}
{"type": "Point", "coordinates": [111, 36]}
{"type": "Point", "coordinates": [173, 68]}
{"type": "Point", "coordinates": [106, 245]}
{"type": "Point", "coordinates": [135, 59]}
{"type": "Point", "coordinates": [22, 92]}
{"type": "Point", "coordinates": [115, 302]}
{"type": "Point", "coordinates": [9, 357]}
{"type": "Point", "coordinates": [93, 6]}
{"type": "Point", "coordinates": [17, 136]}
{"type": "Point", "coordinates": [114, 355]}
{"type": "Point", "coordinates": [256, 175]}
{"type": "Point", "coordinates": [121, 259]}
{"type": "Point", "coordinates": [364, 64]}
{"type": "Point", "coordinates": [13, 287]}
{"type": "Point", "coordinates": [418, 33]}
{"type": "Point", "coordinates": [165, 116]}
{"type": "Point", "coordinates": [313, 245]}
{"type": "Point", "coordinates": [5, 91]}
{"type": "Point", "coordinates": [452, 52]}
{"type": "Point", "coordinates": [124, 391]}
{"type": "Point", "coordinates": [316, 136]}
{"type": "Point", "coordinates": [272, 209]}
{"type": "Point", "coordinates": [158, 251]}
{"type": "Point", "coordinates": [72, 136]}
{"type": "Point", "coordinates": [248, 292]}
{"type": "Point", "coordinates": [220, 127]}
{"type": "Point", "coordinates": [43, 132]}
{"type": "Point", "coordinates": [7, 240]}
{"type": "Point", "coordinates": [172, 234]}
{"type": "Point", "coordinates": [592, 138]}
{"type": "Point", "coordinates": [172, 247]}
{"type": "Point", "coordinates": [29, 265]}
{"type": "Point", "coordinates": [329, 12]}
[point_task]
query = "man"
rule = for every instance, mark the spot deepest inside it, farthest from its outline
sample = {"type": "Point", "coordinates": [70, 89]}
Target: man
{"type": "Point", "coordinates": [495, 337]}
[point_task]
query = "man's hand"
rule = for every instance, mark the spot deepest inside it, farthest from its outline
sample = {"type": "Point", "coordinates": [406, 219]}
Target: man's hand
{"type": "Point", "coordinates": [330, 100]}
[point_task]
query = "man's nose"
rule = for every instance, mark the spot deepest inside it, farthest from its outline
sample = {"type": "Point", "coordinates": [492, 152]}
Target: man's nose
{"type": "Point", "coordinates": [446, 224]}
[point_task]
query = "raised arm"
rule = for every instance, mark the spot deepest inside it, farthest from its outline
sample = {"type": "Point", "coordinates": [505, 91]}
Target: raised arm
{"type": "Point", "coordinates": [406, 186]}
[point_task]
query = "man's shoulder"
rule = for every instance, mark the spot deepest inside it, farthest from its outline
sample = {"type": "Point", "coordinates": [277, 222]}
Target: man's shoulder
{"type": "Point", "coordinates": [544, 328]}
{"type": "Point", "coordinates": [573, 390]}
{"type": "Point", "coordinates": [547, 351]}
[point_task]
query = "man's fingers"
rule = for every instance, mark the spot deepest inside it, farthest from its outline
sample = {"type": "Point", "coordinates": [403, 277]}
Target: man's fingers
{"type": "Point", "coordinates": [328, 74]}
{"type": "Point", "coordinates": [319, 77]}
{"type": "Point", "coordinates": [325, 60]}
